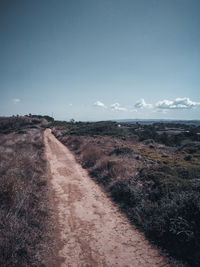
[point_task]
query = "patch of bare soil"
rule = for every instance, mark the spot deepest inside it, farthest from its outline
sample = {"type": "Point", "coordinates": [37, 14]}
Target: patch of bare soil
{"type": "Point", "coordinates": [92, 230]}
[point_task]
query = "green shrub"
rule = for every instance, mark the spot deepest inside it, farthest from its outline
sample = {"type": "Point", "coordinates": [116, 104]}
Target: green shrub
{"type": "Point", "coordinates": [121, 151]}
{"type": "Point", "coordinates": [167, 208]}
{"type": "Point", "coordinates": [124, 194]}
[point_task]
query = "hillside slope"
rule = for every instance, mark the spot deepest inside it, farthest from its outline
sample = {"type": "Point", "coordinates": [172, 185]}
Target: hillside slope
{"type": "Point", "coordinates": [93, 232]}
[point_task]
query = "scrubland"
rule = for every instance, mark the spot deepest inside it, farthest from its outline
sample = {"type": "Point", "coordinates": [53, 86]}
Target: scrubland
{"type": "Point", "coordinates": [151, 172]}
{"type": "Point", "coordinates": [25, 213]}
{"type": "Point", "coordinates": [156, 186]}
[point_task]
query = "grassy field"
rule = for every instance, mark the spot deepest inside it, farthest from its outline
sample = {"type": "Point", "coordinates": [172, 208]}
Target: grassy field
{"type": "Point", "coordinates": [156, 186]}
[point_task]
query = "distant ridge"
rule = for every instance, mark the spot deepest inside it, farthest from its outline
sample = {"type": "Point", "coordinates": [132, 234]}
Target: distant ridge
{"type": "Point", "coordinates": [150, 121]}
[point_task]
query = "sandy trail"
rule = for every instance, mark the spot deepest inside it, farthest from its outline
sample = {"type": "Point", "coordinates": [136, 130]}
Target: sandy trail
{"type": "Point", "coordinates": [92, 230]}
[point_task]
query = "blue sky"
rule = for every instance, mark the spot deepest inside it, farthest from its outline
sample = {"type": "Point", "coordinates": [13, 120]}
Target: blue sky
{"type": "Point", "coordinates": [100, 59]}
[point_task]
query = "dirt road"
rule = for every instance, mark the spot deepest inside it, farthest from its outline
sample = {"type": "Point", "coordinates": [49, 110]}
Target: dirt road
{"type": "Point", "coordinates": [92, 230]}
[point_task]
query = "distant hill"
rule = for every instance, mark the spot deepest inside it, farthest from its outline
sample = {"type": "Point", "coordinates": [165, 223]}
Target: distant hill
{"type": "Point", "coordinates": [151, 121]}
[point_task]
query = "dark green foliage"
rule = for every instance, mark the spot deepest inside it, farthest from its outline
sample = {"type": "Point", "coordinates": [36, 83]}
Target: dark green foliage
{"type": "Point", "coordinates": [121, 151]}
{"type": "Point", "coordinates": [171, 134]}
{"type": "Point", "coordinates": [100, 177]}
{"type": "Point", "coordinates": [148, 132]}
{"type": "Point", "coordinates": [165, 203]}
{"type": "Point", "coordinates": [20, 124]}
{"type": "Point", "coordinates": [175, 224]}
{"type": "Point", "coordinates": [126, 195]}
{"type": "Point", "coordinates": [103, 128]}
{"type": "Point", "coordinates": [97, 128]}
{"type": "Point", "coordinates": [192, 147]}
{"type": "Point", "coordinates": [46, 117]}
{"type": "Point", "coordinates": [8, 125]}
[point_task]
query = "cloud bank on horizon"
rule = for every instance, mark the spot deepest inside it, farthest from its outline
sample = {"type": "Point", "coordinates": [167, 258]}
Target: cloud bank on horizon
{"type": "Point", "coordinates": [179, 103]}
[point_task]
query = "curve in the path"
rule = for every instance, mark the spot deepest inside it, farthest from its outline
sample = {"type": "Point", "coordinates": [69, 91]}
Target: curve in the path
{"type": "Point", "coordinates": [92, 230]}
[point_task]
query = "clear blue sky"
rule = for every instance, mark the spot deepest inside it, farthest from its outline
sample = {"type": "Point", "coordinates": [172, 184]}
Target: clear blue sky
{"type": "Point", "coordinates": [97, 59]}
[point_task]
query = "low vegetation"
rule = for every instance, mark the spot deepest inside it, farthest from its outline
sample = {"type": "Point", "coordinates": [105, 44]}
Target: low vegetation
{"type": "Point", "coordinates": [151, 171]}
{"type": "Point", "coordinates": [170, 134]}
{"type": "Point", "coordinates": [25, 213]}
{"type": "Point", "coordinates": [157, 186]}
{"type": "Point", "coordinates": [19, 124]}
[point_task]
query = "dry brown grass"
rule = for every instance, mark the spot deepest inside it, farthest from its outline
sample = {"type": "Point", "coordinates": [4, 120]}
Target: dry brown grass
{"type": "Point", "coordinates": [108, 169]}
{"type": "Point", "coordinates": [106, 158]}
{"type": "Point", "coordinates": [90, 155]}
{"type": "Point", "coordinates": [24, 205]}
{"type": "Point", "coordinates": [73, 142]}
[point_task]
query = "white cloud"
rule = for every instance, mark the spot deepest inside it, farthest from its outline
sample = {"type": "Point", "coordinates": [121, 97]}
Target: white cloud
{"type": "Point", "coordinates": [16, 100]}
{"type": "Point", "coordinates": [142, 104]}
{"type": "Point", "coordinates": [99, 104]}
{"type": "Point", "coordinates": [178, 103]}
{"type": "Point", "coordinates": [134, 110]}
{"type": "Point", "coordinates": [118, 107]}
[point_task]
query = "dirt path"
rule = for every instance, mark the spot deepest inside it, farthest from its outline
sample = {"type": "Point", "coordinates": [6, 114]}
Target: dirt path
{"type": "Point", "coordinates": [93, 232]}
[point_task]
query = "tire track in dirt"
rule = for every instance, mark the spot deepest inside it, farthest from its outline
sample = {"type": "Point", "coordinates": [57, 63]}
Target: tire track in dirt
{"type": "Point", "coordinates": [92, 230]}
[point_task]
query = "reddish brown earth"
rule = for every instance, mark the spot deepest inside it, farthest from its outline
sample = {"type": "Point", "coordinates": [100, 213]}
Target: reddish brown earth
{"type": "Point", "coordinates": [92, 230]}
